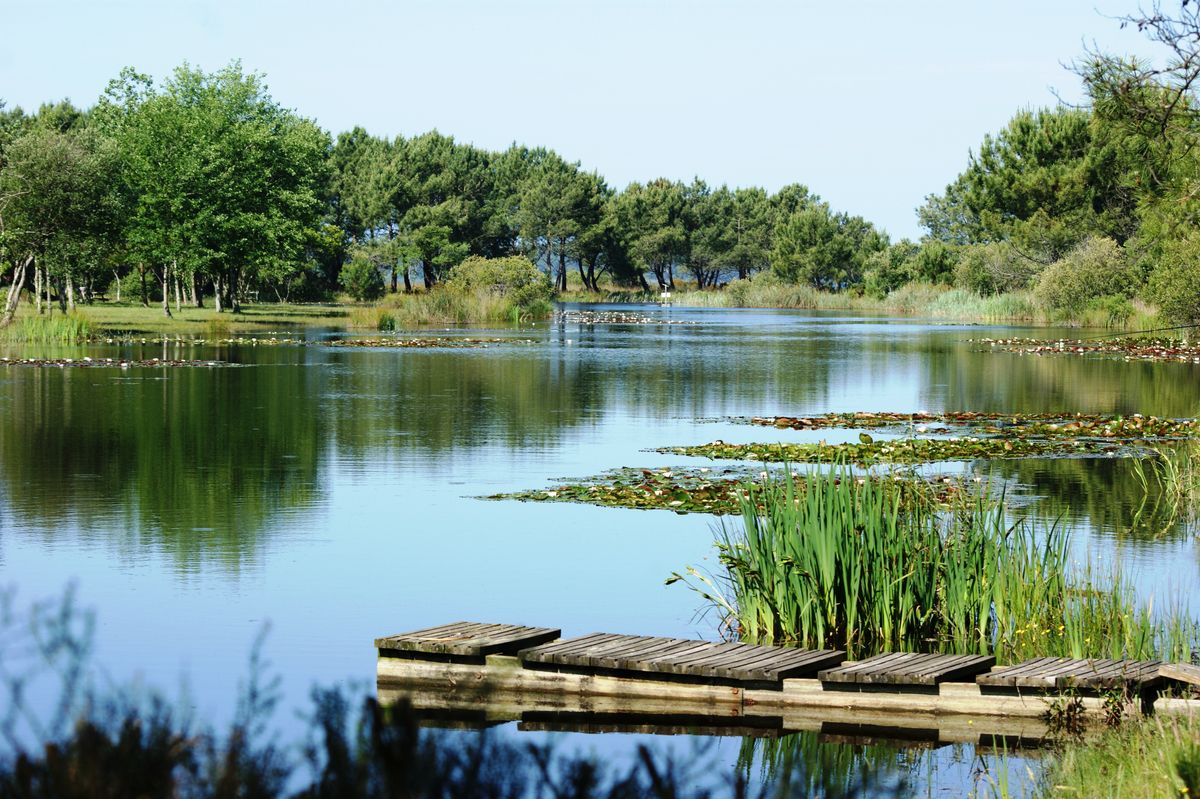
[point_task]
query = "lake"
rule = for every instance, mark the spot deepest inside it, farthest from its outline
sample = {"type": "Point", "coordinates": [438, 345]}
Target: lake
{"type": "Point", "coordinates": [332, 492]}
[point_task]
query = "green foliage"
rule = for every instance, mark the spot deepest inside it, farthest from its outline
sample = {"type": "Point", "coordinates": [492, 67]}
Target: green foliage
{"type": "Point", "coordinates": [361, 280]}
{"type": "Point", "coordinates": [221, 180]}
{"type": "Point", "coordinates": [1044, 182]}
{"type": "Point", "coordinates": [1096, 269]}
{"type": "Point", "coordinates": [887, 270]}
{"type": "Point", "coordinates": [822, 249]}
{"type": "Point", "coordinates": [988, 269]}
{"type": "Point", "coordinates": [1175, 281]}
{"type": "Point", "coordinates": [514, 278]}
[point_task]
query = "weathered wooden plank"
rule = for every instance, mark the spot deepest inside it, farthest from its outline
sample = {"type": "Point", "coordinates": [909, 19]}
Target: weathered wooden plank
{"type": "Point", "coordinates": [724, 660]}
{"type": "Point", "coordinates": [1098, 673]}
{"type": "Point", "coordinates": [1180, 672]}
{"type": "Point", "coordinates": [469, 639]}
{"type": "Point", "coordinates": [908, 668]}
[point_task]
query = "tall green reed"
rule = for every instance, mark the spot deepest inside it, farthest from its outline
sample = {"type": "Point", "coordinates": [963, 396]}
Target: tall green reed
{"type": "Point", "coordinates": [60, 329]}
{"type": "Point", "coordinates": [876, 565]}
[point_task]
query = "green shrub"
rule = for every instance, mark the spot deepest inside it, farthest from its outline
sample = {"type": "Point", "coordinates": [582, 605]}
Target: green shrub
{"type": "Point", "coordinates": [934, 262]}
{"type": "Point", "coordinates": [1175, 281]}
{"type": "Point", "coordinates": [988, 269]}
{"type": "Point", "coordinates": [1096, 268]}
{"type": "Point", "coordinates": [889, 269]}
{"type": "Point", "coordinates": [362, 280]}
{"type": "Point", "coordinates": [514, 278]}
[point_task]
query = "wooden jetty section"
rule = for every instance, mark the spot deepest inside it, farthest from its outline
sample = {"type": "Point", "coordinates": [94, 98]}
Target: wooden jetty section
{"type": "Point", "coordinates": [492, 673]}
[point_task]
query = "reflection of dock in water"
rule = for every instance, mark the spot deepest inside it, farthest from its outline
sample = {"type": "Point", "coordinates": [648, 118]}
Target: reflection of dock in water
{"type": "Point", "coordinates": [477, 675]}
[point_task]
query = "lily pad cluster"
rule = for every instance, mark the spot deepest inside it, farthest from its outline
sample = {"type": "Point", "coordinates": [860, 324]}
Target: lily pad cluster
{"type": "Point", "coordinates": [1130, 349]}
{"type": "Point", "coordinates": [1040, 425]}
{"type": "Point", "coordinates": [441, 342]}
{"type": "Point", "coordinates": [904, 451]}
{"type": "Point", "coordinates": [617, 318]}
{"type": "Point", "coordinates": [716, 491]}
{"type": "Point", "coordinates": [120, 363]}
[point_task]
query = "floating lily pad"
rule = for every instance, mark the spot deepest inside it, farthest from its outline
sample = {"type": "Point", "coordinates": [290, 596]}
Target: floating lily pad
{"type": "Point", "coordinates": [716, 491]}
{"type": "Point", "coordinates": [78, 363]}
{"type": "Point", "coordinates": [906, 450]}
{"type": "Point", "coordinates": [618, 318]}
{"type": "Point", "coordinates": [454, 342]}
{"type": "Point", "coordinates": [1025, 425]}
{"type": "Point", "coordinates": [1130, 349]}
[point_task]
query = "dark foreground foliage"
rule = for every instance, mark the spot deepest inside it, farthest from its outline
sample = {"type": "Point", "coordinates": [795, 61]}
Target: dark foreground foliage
{"type": "Point", "coordinates": [129, 745]}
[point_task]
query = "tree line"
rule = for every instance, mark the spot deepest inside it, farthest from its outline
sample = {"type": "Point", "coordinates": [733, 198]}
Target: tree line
{"type": "Point", "coordinates": [204, 186]}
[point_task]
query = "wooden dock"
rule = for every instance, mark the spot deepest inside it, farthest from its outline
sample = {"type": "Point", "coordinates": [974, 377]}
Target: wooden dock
{"type": "Point", "coordinates": [492, 673]}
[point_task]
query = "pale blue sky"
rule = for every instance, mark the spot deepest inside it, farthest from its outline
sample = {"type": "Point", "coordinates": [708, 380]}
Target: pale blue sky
{"type": "Point", "coordinates": [873, 105]}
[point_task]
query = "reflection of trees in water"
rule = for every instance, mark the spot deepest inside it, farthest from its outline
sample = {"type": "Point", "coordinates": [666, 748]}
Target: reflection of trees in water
{"type": "Point", "coordinates": [194, 462]}
{"type": "Point", "coordinates": [1100, 492]}
{"type": "Point", "coordinates": [964, 379]}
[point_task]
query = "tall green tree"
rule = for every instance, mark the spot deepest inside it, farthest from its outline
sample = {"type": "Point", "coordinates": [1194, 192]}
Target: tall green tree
{"type": "Point", "coordinates": [650, 217]}
{"type": "Point", "coordinates": [824, 250]}
{"type": "Point", "coordinates": [227, 183]}
{"type": "Point", "coordinates": [1045, 182]}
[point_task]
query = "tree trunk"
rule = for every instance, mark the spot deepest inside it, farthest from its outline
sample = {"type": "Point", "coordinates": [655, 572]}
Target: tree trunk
{"type": "Point", "coordinates": [425, 274]}
{"type": "Point", "coordinates": [178, 292]}
{"type": "Point", "coordinates": [562, 267]}
{"type": "Point", "coordinates": [407, 282]}
{"type": "Point", "coordinates": [37, 287]}
{"type": "Point", "coordinates": [235, 301]}
{"type": "Point", "coordinates": [197, 292]}
{"type": "Point", "coordinates": [166, 290]}
{"type": "Point", "coordinates": [14, 291]}
{"type": "Point", "coordinates": [69, 290]}
{"type": "Point", "coordinates": [117, 280]}
{"type": "Point", "coordinates": [583, 276]}
{"type": "Point", "coordinates": [145, 290]}
{"type": "Point", "coordinates": [217, 293]}
{"type": "Point", "coordinates": [642, 280]}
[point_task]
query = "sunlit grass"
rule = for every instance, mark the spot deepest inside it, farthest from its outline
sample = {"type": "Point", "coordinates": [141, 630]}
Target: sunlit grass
{"type": "Point", "coordinates": [66, 329]}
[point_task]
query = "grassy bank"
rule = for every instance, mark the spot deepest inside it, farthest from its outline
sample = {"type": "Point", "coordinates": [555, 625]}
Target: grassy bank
{"type": "Point", "coordinates": [854, 564]}
{"type": "Point", "coordinates": [920, 300]}
{"type": "Point", "coordinates": [1155, 758]}
{"type": "Point", "coordinates": [109, 319]}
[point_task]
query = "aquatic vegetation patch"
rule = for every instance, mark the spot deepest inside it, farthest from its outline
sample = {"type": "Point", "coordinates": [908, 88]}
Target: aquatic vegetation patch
{"type": "Point", "coordinates": [443, 342]}
{"type": "Point", "coordinates": [904, 451]}
{"type": "Point", "coordinates": [1130, 349]}
{"type": "Point", "coordinates": [121, 363]}
{"type": "Point", "coordinates": [720, 492]}
{"type": "Point", "coordinates": [617, 318]}
{"type": "Point", "coordinates": [1039, 425]}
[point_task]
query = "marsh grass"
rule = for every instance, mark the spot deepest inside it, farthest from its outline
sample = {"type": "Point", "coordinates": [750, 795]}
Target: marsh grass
{"type": "Point", "coordinates": [1158, 757]}
{"type": "Point", "coordinates": [69, 329]}
{"type": "Point", "coordinates": [852, 564]}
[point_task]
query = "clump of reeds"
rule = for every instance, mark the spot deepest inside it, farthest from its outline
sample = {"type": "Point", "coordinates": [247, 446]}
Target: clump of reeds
{"type": "Point", "coordinates": [67, 329]}
{"type": "Point", "coordinates": [872, 566]}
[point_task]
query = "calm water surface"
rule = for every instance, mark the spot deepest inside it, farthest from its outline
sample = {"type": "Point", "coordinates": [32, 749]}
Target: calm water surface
{"type": "Point", "coordinates": [331, 492]}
